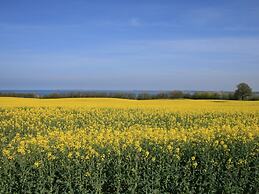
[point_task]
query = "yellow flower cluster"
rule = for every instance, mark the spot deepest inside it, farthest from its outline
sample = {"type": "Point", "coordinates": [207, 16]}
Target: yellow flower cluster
{"type": "Point", "coordinates": [81, 128]}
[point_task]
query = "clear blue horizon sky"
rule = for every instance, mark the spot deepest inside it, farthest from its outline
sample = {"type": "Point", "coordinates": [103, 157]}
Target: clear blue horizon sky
{"type": "Point", "coordinates": [131, 44]}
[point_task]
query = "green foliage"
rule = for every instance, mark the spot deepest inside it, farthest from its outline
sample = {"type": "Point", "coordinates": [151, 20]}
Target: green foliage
{"type": "Point", "coordinates": [212, 171]}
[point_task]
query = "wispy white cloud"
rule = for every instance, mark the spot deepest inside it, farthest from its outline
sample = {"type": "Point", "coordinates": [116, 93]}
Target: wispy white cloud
{"type": "Point", "coordinates": [218, 46]}
{"type": "Point", "coordinates": [35, 27]}
{"type": "Point", "coordinates": [135, 22]}
{"type": "Point", "coordinates": [203, 16]}
{"type": "Point", "coordinates": [203, 53]}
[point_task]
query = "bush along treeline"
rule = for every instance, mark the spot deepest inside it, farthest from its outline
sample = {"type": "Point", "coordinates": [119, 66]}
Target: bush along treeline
{"type": "Point", "coordinates": [22, 95]}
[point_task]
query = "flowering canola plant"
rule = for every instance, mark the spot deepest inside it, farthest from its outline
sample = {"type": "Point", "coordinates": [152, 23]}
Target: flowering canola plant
{"type": "Point", "coordinates": [100, 145]}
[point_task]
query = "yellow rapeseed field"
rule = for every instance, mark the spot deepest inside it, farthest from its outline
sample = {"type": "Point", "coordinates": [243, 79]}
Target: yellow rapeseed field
{"type": "Point", "coordinates": [172, 105]}
{"type": "Point", "coordinates": [101, 145]}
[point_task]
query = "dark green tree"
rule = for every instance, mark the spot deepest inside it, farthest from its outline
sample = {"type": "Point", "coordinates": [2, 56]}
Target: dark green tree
{"type": "Point", "coordinates": [243, 91]}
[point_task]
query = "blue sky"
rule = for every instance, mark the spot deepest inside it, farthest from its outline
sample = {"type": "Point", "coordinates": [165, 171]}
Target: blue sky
{"type": "Point", "coordinates": [129, 44]}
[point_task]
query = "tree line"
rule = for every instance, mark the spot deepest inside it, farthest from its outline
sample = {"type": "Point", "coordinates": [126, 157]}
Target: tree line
{"type": "Point", "coordinates": [243, 92]}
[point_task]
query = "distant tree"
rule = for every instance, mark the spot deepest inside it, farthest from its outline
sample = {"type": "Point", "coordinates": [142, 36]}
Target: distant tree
{"type": "Point", "coordinates": [243, 91]}
{"type": "Point", "coordinates": [161, 95]}
{"type": "Point", "coordinates": [176, 94]}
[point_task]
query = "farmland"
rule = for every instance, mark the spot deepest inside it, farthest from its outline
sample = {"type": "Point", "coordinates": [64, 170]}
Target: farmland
{"type": "Point", "coordinates": [100, 145]}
